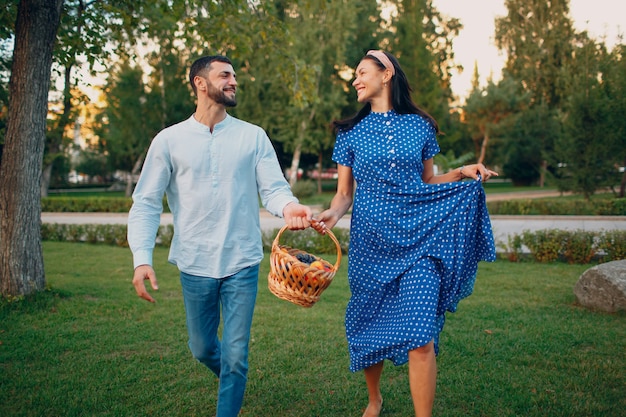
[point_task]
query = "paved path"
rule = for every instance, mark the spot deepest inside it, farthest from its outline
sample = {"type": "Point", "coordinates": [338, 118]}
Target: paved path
{"type": "Point", "coordinates": [503, 226]}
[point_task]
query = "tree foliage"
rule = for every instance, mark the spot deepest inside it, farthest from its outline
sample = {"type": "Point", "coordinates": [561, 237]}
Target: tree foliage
{"type": "Point", "coordinates": [593, 146]}
{"type": "Point", "coordinates": [537, 37]}
{"type": "Point", "coordinates": [316, 57]}
{"type": "Point", "coordinates": [614, 85]}
{"type": "Point", "coordinates": [129, 121]}
{"type": "Point", "coordinates": [487, 110]}
{"type": "Point", "coordinates": [423, 43]}
{"type": "Point", "coordinates": [557, 111]}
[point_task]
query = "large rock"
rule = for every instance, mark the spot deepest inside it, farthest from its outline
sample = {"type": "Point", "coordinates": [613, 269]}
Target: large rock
{"type": "Point", "coordinates": [603, 287]}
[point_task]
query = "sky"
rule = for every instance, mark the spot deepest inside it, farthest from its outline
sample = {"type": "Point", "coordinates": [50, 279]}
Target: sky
{"type": "Point", "coordinates": [475, 43]}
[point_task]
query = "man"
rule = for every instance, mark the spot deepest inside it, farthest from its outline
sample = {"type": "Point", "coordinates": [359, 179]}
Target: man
{"type": "Point", "coordinates": [212, 167]}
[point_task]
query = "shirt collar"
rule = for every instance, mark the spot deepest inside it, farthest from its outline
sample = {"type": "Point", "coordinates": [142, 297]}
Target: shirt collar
{"type": "Point", "coordinates": [221, 125]}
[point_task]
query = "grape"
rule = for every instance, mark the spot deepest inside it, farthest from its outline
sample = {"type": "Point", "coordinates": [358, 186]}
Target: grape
{"type": "Point", "coordinates": [305, 258]}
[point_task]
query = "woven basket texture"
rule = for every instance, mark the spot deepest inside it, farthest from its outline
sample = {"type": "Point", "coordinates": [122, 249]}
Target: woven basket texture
{"type": "Point", "coordinates": [295, 281]}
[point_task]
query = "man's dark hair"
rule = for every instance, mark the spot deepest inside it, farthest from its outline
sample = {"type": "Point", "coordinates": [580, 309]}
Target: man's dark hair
{"type": "Point", "coordinates": [202, 64]}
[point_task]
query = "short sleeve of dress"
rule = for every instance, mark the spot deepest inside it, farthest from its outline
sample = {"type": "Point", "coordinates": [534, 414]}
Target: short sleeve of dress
{"type": "Point", "coordinates": [343, 154]}
{"type": "Point", "coordinates": [431, 147]}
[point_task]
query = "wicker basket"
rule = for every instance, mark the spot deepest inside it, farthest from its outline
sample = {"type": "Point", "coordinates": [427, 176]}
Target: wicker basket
{"type": "Point", "coordinates": [295, 281]}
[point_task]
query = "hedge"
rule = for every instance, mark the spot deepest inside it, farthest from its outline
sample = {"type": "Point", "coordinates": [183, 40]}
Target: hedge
{"type": "Point", "coordinates": [552, 207]}
{"type": "Point", "coordinates": [542, 206]}
{"type": "Point", "coordinates": [549, 245]}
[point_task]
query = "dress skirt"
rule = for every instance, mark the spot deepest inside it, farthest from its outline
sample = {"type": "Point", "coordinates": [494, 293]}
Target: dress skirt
{"type": "Point", "coordinates": [409, 267]}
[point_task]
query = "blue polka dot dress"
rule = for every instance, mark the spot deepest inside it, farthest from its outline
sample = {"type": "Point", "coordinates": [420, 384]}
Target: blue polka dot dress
{"type": "Point", "coordinates": [414, 247]}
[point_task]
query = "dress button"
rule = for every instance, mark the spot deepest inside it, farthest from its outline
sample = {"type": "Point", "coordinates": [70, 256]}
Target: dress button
{"type": "Point", "coordinates": [393, 165]}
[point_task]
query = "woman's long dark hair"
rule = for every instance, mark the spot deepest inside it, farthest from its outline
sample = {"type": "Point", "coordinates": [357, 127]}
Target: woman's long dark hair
{"type": "Point", "coordinates": [400, 99]}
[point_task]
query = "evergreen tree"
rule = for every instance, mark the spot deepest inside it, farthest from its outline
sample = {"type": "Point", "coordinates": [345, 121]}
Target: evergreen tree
{"type": "Point", "coordinates": [538, 37]}
{"type": "Point", "coordinates": [129, 121]}
{"type": "Point", "coordinates": [614, 85]}
{"type": "Point", "coordinates": [422, 42]}
{"type": "Point", "coordinates": [586, 149]}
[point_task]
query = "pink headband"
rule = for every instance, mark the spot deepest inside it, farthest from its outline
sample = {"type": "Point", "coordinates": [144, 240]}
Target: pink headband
{"type": "Point", "coordinates": [380, 55]}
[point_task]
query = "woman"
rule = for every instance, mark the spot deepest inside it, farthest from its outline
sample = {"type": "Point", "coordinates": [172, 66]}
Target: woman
{"type": "Point", "coordinates": [415, 237]}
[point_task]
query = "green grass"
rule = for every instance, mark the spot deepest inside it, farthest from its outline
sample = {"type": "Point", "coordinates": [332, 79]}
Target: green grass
{"type": "Point", "coordinates": [519, 346]}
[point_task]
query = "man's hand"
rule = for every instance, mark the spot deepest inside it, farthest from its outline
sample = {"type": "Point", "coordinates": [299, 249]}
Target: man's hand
{"type": "Point", "coordinates": [143, 273]}
{"type": "Point", "coordinates": [297, 216]}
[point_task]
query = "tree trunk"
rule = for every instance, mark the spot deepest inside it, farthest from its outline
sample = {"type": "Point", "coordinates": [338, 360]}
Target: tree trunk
{"type": "Point", "coordinates": [54, 140]}
{"type": "Point", "coordinates": [542, 174]}
{"type": "Point", "coordinates": [295, 164]}
{"type": "Point", "coordinates": [622, 185]}
{"type": "Point", "coordinates": [295, 161]}
{"type": "Point", "coordinates": [297, 153]}
{"type": "Point", "coordinates": [130, 183]}
{"type": "Point", "coordinates": [483, 148]}
{"type": "Point", "coordinates": [46, 175]}
{"type": "Point", "coordinates": [319, 172]}
{"type": "Point", "coordinates": [21, 254]}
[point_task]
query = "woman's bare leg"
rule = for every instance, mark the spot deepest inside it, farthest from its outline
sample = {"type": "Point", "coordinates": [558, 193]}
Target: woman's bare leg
{"type": "Point", "coordinates": [423, 379]}
{"type": "Point", "coordinates": [372, 379]}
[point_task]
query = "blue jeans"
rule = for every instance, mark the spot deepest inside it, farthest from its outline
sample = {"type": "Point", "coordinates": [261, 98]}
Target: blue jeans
{"type": "Point", "coordinates": [235, 296]}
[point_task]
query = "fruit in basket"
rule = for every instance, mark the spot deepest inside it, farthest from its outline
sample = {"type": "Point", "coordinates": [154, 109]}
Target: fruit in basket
{"type": "Point", "coordinates": [321, 265]}
{"type": "Point", "coordinates": [317, 265]}
{"type": "Point", "coordinates": [306, 258]}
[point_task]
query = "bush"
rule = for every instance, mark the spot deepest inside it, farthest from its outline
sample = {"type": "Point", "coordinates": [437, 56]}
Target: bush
{"type": "Point", "coordinates": [513, 247]}
{"type": "Point", "coordinates": [89, 204]}
{"type": "Point", "coordinates": [545, 245]}
{"type": "Point", "coordinates": [307, 189]}
{"type": "Point", "coordinates": [613, 243]}
{"type": "Point", "coordinates": [579, 247]}
{"type": "Point", "coordinates": [309, 240]}
{"type": "Point", "coordinates": [574, 247]}
{"type": "Point", "coordinates": [165, 235]}
{"type": "Point", "coordinates": [549, 245]}
{"type": "Point", "coordinates": [553, 207]}
{"type": "Point", "coordinates": [86, 204]}
{"type": "Point", "coordinates": [304, 189]}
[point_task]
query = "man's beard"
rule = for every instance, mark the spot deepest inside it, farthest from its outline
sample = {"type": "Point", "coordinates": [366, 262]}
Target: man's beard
{"type": "Point", "coordinates": [220, 97]}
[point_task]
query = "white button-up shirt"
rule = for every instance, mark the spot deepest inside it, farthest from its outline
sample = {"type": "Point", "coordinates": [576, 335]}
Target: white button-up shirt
{"type": "Point", "coordinates": [212, 181]}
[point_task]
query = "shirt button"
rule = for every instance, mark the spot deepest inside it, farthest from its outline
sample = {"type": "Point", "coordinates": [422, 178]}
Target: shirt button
{"type": "Point", "coordinates": [393, 165]}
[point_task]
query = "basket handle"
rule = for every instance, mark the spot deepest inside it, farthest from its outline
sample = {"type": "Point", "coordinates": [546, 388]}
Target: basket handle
{"type": "Point", "coordinates": [329, 233]}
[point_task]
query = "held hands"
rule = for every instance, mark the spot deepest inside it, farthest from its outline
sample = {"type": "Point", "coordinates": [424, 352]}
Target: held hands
{"type": "Point", "coordinates": [324, 221]}
{"type": "Point", "coordinates": [143, 273]}
{"type": "Point", "coordinates": [297, 216]}
{"type": "Point", "coordinates": [472, 171]}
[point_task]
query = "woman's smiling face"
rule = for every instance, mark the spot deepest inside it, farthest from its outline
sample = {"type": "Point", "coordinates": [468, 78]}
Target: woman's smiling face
{"type": "Point", "coordinates": [369, 81]}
